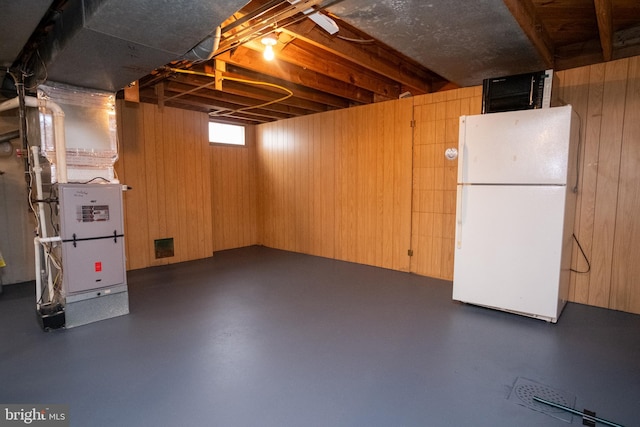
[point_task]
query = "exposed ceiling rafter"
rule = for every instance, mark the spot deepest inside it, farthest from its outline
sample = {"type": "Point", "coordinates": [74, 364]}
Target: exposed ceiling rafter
{"type": "Point", "coordinates": [605, 27]}
{"type": "Point", "coordinates": [327, 71]}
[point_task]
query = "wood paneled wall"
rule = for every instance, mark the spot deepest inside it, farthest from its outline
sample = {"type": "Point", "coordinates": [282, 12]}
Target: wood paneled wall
{"type": "Point", "coordinates": [338, 184]}
{"type": "Point", "coordinates": [434, 178]}
{"type": "Point", "coordinates": [296, 184]}
{"type": "Point", "coordinates": [164, 157]}
{"type": "Point", "coordinates": [233, 194]}
{"type": "Point", "coordinates": [362, 185]}
{"type": "Point", "coordinates": [607, 98]}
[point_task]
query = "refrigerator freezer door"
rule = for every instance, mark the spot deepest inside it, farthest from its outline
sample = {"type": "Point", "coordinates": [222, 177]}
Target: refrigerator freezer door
{"type": "Point", "coordinates": [516, 147]}
{"type": "Point", "coordinates": [509, 241]}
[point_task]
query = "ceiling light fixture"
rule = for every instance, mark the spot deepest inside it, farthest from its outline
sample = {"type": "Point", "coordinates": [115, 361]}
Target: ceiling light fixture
{"type": "Point", "coordinates": [268, 42]}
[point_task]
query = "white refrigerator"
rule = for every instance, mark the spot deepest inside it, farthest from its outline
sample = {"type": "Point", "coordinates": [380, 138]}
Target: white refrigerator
{"type": "Point", "coordinates": [516, 196]}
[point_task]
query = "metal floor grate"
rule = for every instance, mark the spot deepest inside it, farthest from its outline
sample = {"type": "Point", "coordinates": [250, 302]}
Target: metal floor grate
{"type": "Point", "coordinates": [524, 390]}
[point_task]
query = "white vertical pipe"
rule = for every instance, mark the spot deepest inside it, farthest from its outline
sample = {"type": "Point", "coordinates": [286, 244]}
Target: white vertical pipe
{"type": "Point", "coordinates": [36, 248]}
{"type": "Point", "coordinates": [37, 169]}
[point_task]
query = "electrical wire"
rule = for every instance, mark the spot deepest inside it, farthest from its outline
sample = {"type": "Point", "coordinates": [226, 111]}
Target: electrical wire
{"type": "Point", "coordinates": [288, 95]}
{"type": "Point", "coordinates": [93, 179]}
{"type": "Point", "coordinates": [288, 92]}
{"type": "Point", "coordinates": [46, 73]}
{"type": "Point", "coordinates": [583, 255]}
{"type": "Point", "coordinates": [50, 201]}
{"type": "Point", "coordinates": [257, 30]}
{"type": "Point", "coordinates": [353, 40]}
{"type": "Point", "coordinates": [51, 257]}
{"type": "Point", "coordinates": [30, 197]}
{"type": "Point", "coordinates": [195, 89]}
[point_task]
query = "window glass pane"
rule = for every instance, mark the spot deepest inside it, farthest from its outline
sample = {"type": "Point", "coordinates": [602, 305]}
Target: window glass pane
{"type": "Point", "coordinates": [222, 133]}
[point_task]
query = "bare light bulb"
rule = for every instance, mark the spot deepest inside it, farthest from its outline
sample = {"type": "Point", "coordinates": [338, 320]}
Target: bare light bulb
{"type": "Point", "coordinates": [268, 53]}
{"type": "Point", "coordinates": [268, 42]}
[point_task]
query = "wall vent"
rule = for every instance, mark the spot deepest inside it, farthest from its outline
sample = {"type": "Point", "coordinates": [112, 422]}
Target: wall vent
{"type": "Point", "coordinates": [163, 247]}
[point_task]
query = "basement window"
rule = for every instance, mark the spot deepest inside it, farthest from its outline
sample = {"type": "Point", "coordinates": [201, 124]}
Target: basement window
{"type": "Point", "coordinates": [223, 133]}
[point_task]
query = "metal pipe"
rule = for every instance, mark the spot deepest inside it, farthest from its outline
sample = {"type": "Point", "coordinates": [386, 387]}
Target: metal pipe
{"type": "Point", "coordinates": [575, 412]}
{"type": "Point", "coordinates": [9, 136]}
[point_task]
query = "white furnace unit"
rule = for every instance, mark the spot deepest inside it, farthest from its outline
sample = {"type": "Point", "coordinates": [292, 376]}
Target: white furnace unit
{"type": "Point", "coordinates": [93, 260]}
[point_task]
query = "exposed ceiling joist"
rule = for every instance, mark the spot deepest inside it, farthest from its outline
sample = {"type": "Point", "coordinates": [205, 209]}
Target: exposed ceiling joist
{"type": "Point", "coordinates": [326, 70]}
{"type": "Point", "coordinates": [311, 59]}
{"type": "Point", "coordinates": [250, 59]}
{"type": "Point", "coordinates": [259, 94]}
{"type": "Point", "coordinates": [299, 91]}
{"type": "Point", "coordinates": [525, 14]}
{"type": "Point", "coordinates": [381, 49]}
{"type": "Point", "coordinates": [605, 27]}
{"type": "Point", "coordinates": [387, 62]}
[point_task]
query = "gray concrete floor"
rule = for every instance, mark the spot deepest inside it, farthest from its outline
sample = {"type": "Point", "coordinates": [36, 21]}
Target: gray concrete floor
{"type": "Point", "coordinates": [261, 337]}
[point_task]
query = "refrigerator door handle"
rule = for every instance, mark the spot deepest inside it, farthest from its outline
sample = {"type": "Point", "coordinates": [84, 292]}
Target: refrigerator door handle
{"type": "Point", "coordinates": [462, 133]}
{"type": "Point", "coordinates": [531, 91]}
{"type": "Point", "coordinates": [459, 216]}
{"type": "Point", "coordinates": [461, 147]}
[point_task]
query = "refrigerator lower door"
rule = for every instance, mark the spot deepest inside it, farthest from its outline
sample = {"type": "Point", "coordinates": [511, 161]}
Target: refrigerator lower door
{"type": "Point", "coordinates": [509, 243]}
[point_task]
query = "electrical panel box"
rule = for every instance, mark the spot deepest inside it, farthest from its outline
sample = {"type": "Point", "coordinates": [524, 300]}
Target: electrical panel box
{"type": "Point", "coordinates": [92, 231]}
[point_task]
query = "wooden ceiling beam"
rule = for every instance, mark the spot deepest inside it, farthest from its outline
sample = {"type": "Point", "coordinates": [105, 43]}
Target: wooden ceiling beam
{"type": "Point", "coordinates": [383, 62]}
{"type": "Point", "coordinates": [174, 88]}
{"type": "Point", "coordinates": [627, 42]}
{"type": "Point", "coordinates": [264, 95]}
{"type": "Point", "coordinates": [587, 53]}
{"type": "Point", "coordinates": [605, 27]}
{"type": "Point", "coordinates": [253, 60]}
{"type": "Point", "coordinates": [299, 91]}
{"type": "Point", "coordinates": [233, 35]}
{"type": "Point", "coordinates": [236, 120]}
{"type": "Point", "coordinates": [525, 15]}
{"type": "Point", "coordinates": [207, 105]}
{"type": "Point", "coordinates": [311, 58]}
{"type": "Point", "coordinates": [258, 93]}
{"type": "Point", "coordinates": [578, 55]}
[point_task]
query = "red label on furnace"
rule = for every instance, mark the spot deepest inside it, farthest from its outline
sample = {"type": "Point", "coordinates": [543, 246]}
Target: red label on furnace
{"type": "Point", "coordinates": [98, 266]}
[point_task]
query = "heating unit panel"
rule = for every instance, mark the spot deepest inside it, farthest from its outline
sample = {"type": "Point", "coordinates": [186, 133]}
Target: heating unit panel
{"type": "Point", "coordinates": [91, 226]}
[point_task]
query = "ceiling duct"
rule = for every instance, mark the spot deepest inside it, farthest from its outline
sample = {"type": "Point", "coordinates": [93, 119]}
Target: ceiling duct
{"type": "Point", "coordinates": [465, 43]}
{"type": "Point", "coordinates": [106, 44]}
{"type": "Point", "coordinates": [14, 33]}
